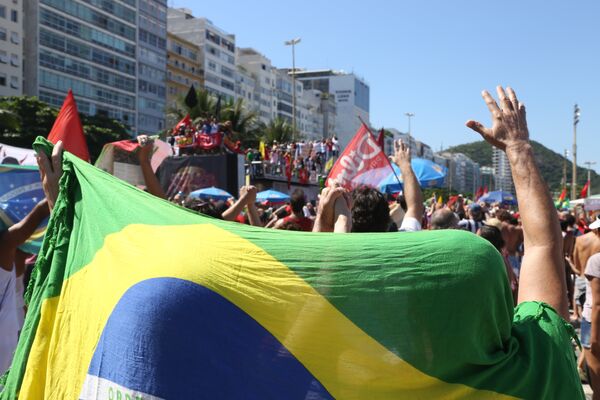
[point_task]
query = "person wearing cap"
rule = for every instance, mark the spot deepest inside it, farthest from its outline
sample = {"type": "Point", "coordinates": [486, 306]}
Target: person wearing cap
{"type": "Point", "coordinates": [475, 220]}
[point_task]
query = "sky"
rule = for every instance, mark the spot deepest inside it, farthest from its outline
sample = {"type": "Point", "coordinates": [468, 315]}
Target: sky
{"type": "Point", "coordinates": [433, 58]}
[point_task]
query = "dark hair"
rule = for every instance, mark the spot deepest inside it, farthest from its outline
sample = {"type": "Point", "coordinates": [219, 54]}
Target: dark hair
{"type": "Point", "coordinates": [492, 235]}
{"type": "Point", "coordinates": [203, 207]}
{"type": "Point", "coordinates": [444, 219]}
{"type": "Point", "coordinates": [370, 211]}
{"type": "Point", "coordinates": [290, 226]}
{"type": "Point", "coordinates": [402, 201]}
{"type": "Point", "coordinates": [570, 219]}
{"type": "Point", "coordinates": [297, 200]}
{"type": "Point", "coordinates": [503, 215]}
{"type": "Point", "coordinates": [221, 206]}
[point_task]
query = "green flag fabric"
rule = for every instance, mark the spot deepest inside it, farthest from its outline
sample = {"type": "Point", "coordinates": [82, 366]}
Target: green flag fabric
{"type": "Point", "coordinates": [137, 298]}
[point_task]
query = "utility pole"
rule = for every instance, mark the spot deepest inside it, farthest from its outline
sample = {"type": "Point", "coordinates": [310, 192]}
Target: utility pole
{"type": "Point", "coordinates": [589, 167]}
{"type": "Point", "coordinates": [576, 114]}
{"type": "Point", "coordinates": [409, 115]}
{"type": "Point", "coordinates": [293, 43]}
{"type": "Point", "coordinates": [563, 183]}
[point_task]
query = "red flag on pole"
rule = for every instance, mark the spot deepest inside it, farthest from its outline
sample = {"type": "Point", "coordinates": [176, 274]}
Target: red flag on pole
{"type": "Point", "coordinates": [485, 190]}
{"type": "Point", "coordinates": [362, 162]}
{"type": "Point", "coordinates": [381, 139]}
{"type": "Point", "coordinates": [68, 128]}
{"type": "Point", "coordinates": [563, 195]}
{"type": "Point", "coordinates": [584, 191]}
{"type": "Point", "coordinates": [186, 122]}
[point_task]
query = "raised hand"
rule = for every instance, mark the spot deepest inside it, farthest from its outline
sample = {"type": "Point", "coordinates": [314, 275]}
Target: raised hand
{"type": "Point", "coordinates": [326, 210]}
{"type": "Point", "coordinates": [146, 147]}
{"type": "Point", "coordinates": [50, 172]}
{"type": "Point", "coordinates": [401, 153]}
{"type": "Point", "coordinates": [509, 123]}
{"type": "Point", "coordinates": [248, 193]}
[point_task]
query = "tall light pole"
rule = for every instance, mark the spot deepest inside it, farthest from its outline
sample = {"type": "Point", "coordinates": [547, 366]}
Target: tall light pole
{"type": "Point", "coordinates": [409, 115]}
{"type": "Point", "coordinates": [293, 43]}
{"type": "Point", "coordinates": [589, 167]}
{"type": "Point", "coordinates": [576, 115]}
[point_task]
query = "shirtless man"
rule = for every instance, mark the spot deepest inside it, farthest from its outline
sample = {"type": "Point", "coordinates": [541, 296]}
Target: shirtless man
{"type": "Point", "coordinates": [585, 246]}
{"type": "Point", "coordinates": [513, 238]}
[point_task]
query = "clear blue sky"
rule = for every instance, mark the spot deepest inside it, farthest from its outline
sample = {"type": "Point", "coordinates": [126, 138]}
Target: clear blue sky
{"type": "Point", "coordinates": [433, 58]}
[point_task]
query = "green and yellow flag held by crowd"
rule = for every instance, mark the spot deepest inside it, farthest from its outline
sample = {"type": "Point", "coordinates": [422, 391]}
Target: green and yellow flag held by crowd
{"type": "Point", "coordinates": [134, 297]}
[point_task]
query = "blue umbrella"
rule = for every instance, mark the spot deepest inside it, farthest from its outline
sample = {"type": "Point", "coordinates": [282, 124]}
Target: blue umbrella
{"type": "Point", "coordinates": [428, 173]}
{"type": "Point", "coordinates": [211, 193]}
{"type": "Point", "coordinates": [272, 196]}
{"type": "Point", "coordinates": [499, 196]}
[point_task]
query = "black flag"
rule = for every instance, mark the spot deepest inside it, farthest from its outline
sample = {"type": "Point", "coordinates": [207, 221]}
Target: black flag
{"type": "Point", "coordinates": [218, 109]}
{"type": "Point", "coordinates": [191, 99]}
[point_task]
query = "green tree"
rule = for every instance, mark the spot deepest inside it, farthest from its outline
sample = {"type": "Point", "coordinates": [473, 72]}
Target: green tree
{"type": "Point", "coordinates": [30, 117]}
{"type": "Point", "coordinates": [100, 130]}
{"type": "Point", "coordinates": [278, 130]}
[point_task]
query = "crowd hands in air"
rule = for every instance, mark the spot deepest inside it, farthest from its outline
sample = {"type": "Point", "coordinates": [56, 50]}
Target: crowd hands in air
{"type": "Point", "coordinates": [543, 262]}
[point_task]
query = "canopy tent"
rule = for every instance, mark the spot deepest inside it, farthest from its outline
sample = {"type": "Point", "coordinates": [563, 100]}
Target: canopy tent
{"type": "Point", "coordinates": [499, 196]}
{"type": "Point", "coordinates": [272, 196]}
{"type": "Point", "coordinates": [591, 203]}
{"type": "Point", "coordinates": [211, 193]}
{"type": "Point", "coordinates": [428, 173]}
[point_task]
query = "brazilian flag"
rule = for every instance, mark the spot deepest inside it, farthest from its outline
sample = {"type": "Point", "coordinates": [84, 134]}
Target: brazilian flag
{"type": "Point", "coordinates": [137, 298]}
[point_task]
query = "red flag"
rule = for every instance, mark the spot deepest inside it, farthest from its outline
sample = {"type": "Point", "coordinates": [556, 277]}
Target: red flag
{"type": "Point", "coordinates": [485, 190]}
{"type": "Point", "coordinates": [563, 195]}
{"type": "Point", "coordinates": [584, 191]}
{"type": "Point", "coordinates": [362, 162]}
{"type": "Point", "coordinates": [186, 122]}
{"type": "Point", "coordinates": [479, 193]}
{"type": "Point", "coordinates": [381, 139]}
{"type": "Point", "coordinates": [68, 128]}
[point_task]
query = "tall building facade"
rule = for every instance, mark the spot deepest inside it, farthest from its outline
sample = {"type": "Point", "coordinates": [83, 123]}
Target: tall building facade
{"type": "Point", "coordinates": [352, 97]}
{"type": "Point", "coordinates": [263, 74]}
{"type": "Point", "coordinates": [152, 64]}
{"type": "Point", "coordinates": [183, 68]}
{"type": "Point", "coordinates": [111, 53]}
{"type": "Point", "coordinates": [502, 175]}
{"type": "Point", "coordinates": [217, 50]}
{"type": "Point", "coordinates": [11, 47]}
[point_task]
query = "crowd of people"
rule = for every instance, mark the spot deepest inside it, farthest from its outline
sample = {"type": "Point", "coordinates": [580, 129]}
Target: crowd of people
{"type": "Point", "coordinates": [304, 160]}
{"type": "Point", "coordinates": [548, 257]}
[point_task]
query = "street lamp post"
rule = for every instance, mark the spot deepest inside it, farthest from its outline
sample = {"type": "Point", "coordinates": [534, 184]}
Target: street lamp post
{"type": "Point", "coordinates": [576, 115]}
{"type": "Point", "coordinates": [409, 115]}
{"type": "Point", "coordinates": [589, 168]}
{"type": "Point", "coordinates": [293, 43]}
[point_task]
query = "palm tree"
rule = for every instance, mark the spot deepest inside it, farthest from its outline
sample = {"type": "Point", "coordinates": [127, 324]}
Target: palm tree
{"type": "Point", "coordinates": [244, 123]}
{"type": "Point", "coordinates": [278, 130]}
{"type": "Point", "coordinates": [203, 109]}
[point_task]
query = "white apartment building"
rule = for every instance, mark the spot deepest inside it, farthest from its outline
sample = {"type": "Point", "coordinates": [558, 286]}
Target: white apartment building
{"type": "Point", "coordinates": [352, 97]}
{"type": "Point", "coordinates": [284, 96]}
{"type": "Point", "coordinates": [111, 53]}
{"type": "Point", "coordinates": [244, 88]}
{"type": "Point", "coordinates": [217, 50]}
{"type": "Point", "coordinates": [502, 175]}
{"type": "Point", "coordinates": [11, 47]}
{"type": "Point", "coordinates": [263, 74]}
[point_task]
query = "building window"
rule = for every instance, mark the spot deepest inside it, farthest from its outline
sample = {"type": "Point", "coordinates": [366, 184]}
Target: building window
{"type": "Point", "coordinates": [212, 66]}
{"type": "Point", "coordinates": [2, 11]}
{"type": "Point", "coordinates": [3, 57]}
{"type": "Point", "coordinates": [14, 38]}
{"type": "Point", "coordinates": [14, 82]}
{"type": "Point", "coordinates": [2, 79]}
{"type": "Point", "coordinates": [14, 60]}
{"type": "Point", "coordinates": [14, 16]}
{"type": "Point", "coordinates": [2, 34]}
